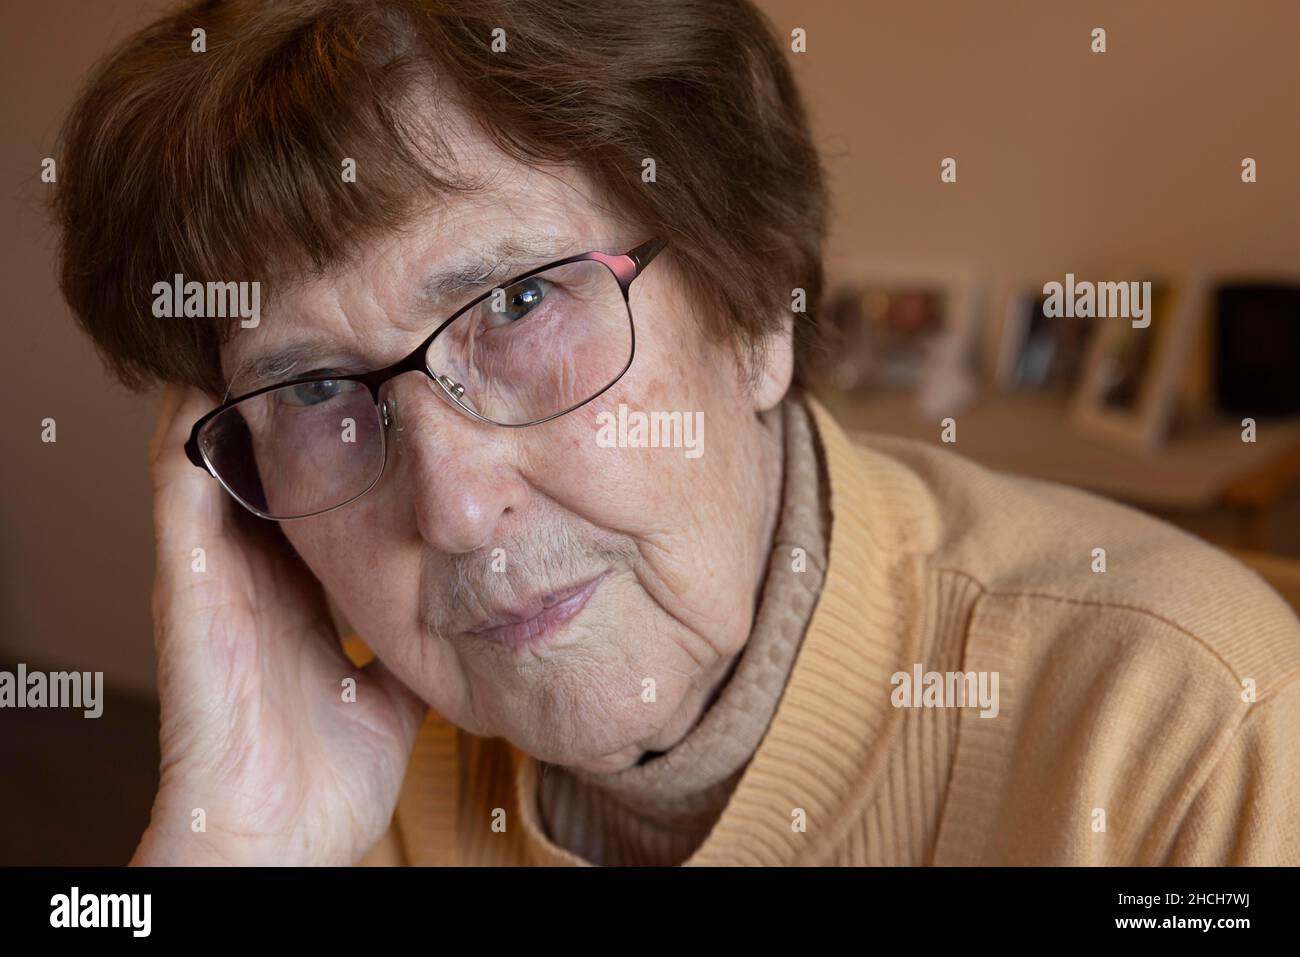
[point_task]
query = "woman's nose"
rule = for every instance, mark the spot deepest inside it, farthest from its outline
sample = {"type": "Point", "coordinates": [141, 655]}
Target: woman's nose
{"type": "Point", "coordinates": [458, 474]}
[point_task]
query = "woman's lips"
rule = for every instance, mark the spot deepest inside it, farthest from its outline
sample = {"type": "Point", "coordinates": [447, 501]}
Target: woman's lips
{"type": "Point", "coordinates": [541, 617]}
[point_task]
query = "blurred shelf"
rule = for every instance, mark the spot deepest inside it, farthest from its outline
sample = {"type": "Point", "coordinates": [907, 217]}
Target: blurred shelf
{"type": "Point", "coordinates": [1201, 468]}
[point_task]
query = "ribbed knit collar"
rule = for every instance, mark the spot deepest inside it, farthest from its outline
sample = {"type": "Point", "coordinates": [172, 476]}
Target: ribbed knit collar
{"type": "Point", "coordinates": [827, 742]}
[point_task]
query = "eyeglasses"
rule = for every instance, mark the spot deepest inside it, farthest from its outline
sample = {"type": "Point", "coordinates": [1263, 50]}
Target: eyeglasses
{"type": "Point", "coordinates": [530, 350]}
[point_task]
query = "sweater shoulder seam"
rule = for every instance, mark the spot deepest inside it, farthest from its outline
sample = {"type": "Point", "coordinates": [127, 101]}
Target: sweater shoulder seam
{"type": "Point", "coordinates": [987, 592]}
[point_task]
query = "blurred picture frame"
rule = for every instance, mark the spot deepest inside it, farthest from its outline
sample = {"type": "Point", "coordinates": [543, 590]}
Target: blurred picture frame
{"type": "Point", "coordinates": [1037, 353]}
{"type": "Point", "coordinates": [1255, 344]}
{"type": "Point", "coordinates": [1132, 376]}
{"type": "Point", "coordinates": [904, 326]}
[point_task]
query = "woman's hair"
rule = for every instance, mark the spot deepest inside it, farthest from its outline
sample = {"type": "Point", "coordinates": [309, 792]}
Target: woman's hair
{"type": "Point", "coordinates": [225, 165]}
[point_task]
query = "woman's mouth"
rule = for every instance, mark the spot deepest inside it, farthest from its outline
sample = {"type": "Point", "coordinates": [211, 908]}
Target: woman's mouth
{"type": "Point", "coordinates": [539, 618]}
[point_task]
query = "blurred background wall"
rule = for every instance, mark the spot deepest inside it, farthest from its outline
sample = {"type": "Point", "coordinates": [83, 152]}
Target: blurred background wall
{"type": "Point", "coordinates": [1068, 161]}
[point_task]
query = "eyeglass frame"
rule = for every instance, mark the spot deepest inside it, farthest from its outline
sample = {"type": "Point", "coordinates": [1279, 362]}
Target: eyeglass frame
{"type": "Point", "coordinates": [625, 267]}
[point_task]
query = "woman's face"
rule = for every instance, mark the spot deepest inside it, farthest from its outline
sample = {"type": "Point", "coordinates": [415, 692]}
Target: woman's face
{"type": "Point", "coordinates": [579, 600]}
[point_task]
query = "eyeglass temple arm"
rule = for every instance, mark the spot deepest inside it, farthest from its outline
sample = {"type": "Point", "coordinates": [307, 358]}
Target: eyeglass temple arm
{"type": "Point", "coordinates": [644, 254]}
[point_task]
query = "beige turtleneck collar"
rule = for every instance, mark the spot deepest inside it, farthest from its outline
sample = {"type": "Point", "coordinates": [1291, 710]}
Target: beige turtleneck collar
{"type": "Point", "coordinates": [658, 812]}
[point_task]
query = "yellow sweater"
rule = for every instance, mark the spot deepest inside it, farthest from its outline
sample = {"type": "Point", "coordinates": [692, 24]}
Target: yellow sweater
{"type": "Point", "coordinates": [1147, 714]}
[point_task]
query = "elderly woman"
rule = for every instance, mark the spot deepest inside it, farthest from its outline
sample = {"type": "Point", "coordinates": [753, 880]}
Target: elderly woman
{"type": "Point", "coordinates": [519, 402]}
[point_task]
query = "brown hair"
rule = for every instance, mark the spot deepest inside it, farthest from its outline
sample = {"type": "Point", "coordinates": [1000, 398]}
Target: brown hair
{"type": "Point", "coordinates": [224, 164]}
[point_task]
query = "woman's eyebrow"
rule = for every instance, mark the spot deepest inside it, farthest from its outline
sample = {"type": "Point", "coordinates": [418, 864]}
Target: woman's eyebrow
{"type": "Point", "coordinates": [445, 286]}
{"type": "Point", "coordinates": [263, 369]}
{"type": "Point", "coordinates": [501, 259]}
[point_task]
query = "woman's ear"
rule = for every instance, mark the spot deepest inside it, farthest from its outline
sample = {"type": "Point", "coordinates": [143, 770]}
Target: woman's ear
{"type": "Point", "coordinates": [774, 369]}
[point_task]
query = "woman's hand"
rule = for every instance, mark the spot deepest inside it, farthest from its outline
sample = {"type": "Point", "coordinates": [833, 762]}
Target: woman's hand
{"type": "Point", "coordinates": [256, 733]}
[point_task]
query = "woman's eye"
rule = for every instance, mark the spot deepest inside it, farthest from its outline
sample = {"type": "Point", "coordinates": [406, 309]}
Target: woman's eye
{"type": "Point", "coordinates": [312, 393]}
{"type": "Point", "coordinates": [511, 304]}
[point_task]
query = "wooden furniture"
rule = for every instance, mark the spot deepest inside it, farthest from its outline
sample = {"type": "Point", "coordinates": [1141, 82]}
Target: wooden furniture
{"type": "Point", "coordinates": [1282, 573]}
